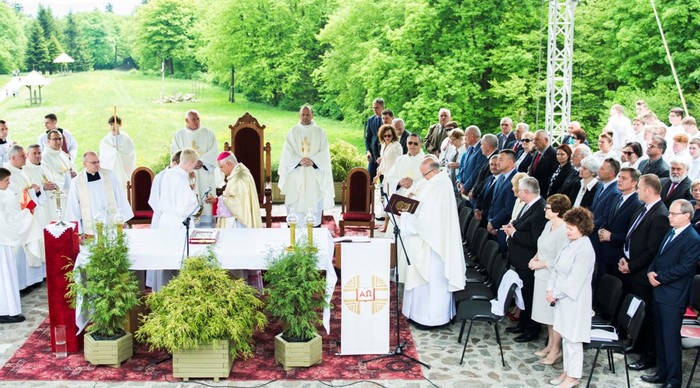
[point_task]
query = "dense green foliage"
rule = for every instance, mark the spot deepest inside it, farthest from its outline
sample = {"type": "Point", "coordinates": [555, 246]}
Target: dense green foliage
{"type": "Point", "coordinates": [201, 305]}
{"type": "Point", "coordinates": [344, 157]}
{"type": "Point", "coordinates": [107, 286]}
{"type": "Point", "coordinates": [295, 291]}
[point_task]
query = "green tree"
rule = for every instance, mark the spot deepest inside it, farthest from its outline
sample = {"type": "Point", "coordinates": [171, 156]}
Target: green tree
{"type": "Point", "coordinates": [37, 55]}
{"type": "Point", "coordinates": [76, 45]}
{"type": "Point", "coordinates": [12, 40]}
{"type": "Point", "coordinates": [165, 32]}
{"type": "Point", "coordinates": [52, 35]}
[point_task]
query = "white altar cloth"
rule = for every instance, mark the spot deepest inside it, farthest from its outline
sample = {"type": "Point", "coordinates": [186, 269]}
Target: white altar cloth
{"type": "Point", "coordinates": [163, 248]}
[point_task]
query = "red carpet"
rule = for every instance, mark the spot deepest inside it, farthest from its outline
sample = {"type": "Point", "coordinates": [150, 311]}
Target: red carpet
{"type": "Point", "coordinates": [34, 361]}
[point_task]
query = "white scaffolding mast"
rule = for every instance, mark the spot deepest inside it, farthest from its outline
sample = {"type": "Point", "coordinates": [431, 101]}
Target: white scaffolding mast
{"type": "Point", "coordinates": [560, 57]}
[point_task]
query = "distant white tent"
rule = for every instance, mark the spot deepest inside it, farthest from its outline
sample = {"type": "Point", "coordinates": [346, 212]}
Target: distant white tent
{"type": "Point", "coordinates": [64, 59]}
{"type": "Point", "coordinates": [34, 81]}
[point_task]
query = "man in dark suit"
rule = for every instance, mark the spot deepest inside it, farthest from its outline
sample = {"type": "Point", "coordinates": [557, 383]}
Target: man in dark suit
{"type": "Point", "coordinates": [606, 195]}
{"type": "Point", "coordinates": [401, 132]}
{"type": "Point", "coordinates": [523, 233]}
{"type": "Point", "coordinates": [655, 164]}
{"type": "Point", "coordinates": [489, 147]}
{"type": "Point", "coordinates": [642, 242]}
{"type": "Point", "coordinates": [517, 147]}
{"type": "Point", "coordinates": [544, 163]}
{"type": "Point", "coordinates": [472, 160]}
{"type": "Point", "coordinates": [671, 274]}
{"type": "Point", "coordinates": [613, 231]}
{"type": "Point", "coordinates": [482, 202]}
{"type": "Point", "coordinates": [437, 132]}
{"type": "Point", "coordinates": [503, 198]}
{"type": "Point", "coordinates": [371, 139]}
{"type": "Point", "coordinates": [506, 138]}
{"type": "Point", "coordinates": [678, 184]}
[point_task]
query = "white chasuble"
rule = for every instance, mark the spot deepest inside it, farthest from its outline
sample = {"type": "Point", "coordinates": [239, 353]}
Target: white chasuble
{"type": "Point", "coordinates": [406, 166]}
{"type": "Point", "coordinates": [118, 154]}
{"type": "Point", "coordinates": [39, 175]}
{"type": "Point", "coordinates": [177, 200]}
{"type": "Point", "coordinates": [204, 142]}
{"type": "Point", "coordinates": [104, 197]}
{"type": "Point", "coordinates": [239, 201]}
{"type": "Point", "coordinates": [60, 166]}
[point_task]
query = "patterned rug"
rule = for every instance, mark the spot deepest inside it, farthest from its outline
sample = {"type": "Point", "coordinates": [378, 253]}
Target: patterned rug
{"type": "Point", "coordinates": [34, 360]}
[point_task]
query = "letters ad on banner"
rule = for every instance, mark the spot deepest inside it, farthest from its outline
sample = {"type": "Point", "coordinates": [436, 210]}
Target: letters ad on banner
{"type": "Point", "coordinates": [365, 297]}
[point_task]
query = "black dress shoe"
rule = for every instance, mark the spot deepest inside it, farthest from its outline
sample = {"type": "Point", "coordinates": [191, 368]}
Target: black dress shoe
{"type": "Point", "coordinates": [642, 364]}
{"type": "Point", "coordinates": [12, 319]}
{"type": "Point", "coordinates": [515, 329]}
{"type": "Point", "coordinates": [527, 337]}
{"type": "Point", "coordinates": [667, 385]}
{"type": "Point", "coordinates": [654, 379]}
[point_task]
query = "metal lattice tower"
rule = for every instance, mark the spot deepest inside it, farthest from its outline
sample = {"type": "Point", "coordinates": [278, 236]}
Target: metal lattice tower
{"type": "Point", "coordinates": [560, 57]}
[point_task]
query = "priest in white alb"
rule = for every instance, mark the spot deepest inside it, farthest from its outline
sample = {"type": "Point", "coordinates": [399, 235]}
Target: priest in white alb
{"type": "Point", "coordinates": [306, 178]}
{"type": "Point", "coordinates": [203, 141]}
{"type": "Point", "coordinates": [57, 161]}
{"type": "Point", "coordinates": [31, 263]}
{"type": "Point", "coordinates": [404, 177]}
{"type": "Point", "coordinates": [95, 193]}
{"type": "Point", "coordinates": [433, 242]}
{"type": "Point", "coordinates": [39, 174]}
{"type": "Point", "coordinates": [5, 142]}
{"type": "Point", "coordinates": [238, 205]}
{"type": "Point", "coordinates": [117, 152]}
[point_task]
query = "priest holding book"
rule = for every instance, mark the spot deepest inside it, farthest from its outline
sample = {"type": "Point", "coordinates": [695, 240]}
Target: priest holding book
{"type": "Point", "coordinates": [434, 247]}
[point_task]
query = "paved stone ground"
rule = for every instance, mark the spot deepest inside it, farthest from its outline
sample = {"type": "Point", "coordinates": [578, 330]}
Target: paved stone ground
{"type": "Point", "coordinates": [439, 348]}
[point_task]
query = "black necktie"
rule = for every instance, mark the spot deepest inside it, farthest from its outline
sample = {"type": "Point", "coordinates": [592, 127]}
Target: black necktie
{"type": "Point", "coordinates": [634, 226]}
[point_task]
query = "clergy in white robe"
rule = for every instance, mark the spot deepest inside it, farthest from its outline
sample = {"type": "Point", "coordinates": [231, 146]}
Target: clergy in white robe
{"type": "Point", "coordinates": [306, 178]}
{"type": "Point", "coordinates": [154, 198]}
{"type": "Point", "coordinates": [203, 141]}
{"type": "Point", "coordinates": [31, 267]}
{"type": "Point", "coordinates": [69, 145]}
{"type": "Point", "coordinates": [5, 143]}
{"type": "Point", "coordinates": [19, 235]}
{"type": "Point", "coordinates": [238, 206]}
{"type": "Point", "coordinates": [118, 152]}
{"type": "Point", "coordinates": [433, 242]}
{"type": "Point", "coordinates": [58, 162]}
{"type": "Point", "coordinates": [39, 174]}
{"type": "Point", "coordinates": [96, 193]}
{"type": "Point", "coordinates": [405, 175]}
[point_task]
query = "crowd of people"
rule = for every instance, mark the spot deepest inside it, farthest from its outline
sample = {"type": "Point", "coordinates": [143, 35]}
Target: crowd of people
{"type": "Point", "coordinates": [562, 214]}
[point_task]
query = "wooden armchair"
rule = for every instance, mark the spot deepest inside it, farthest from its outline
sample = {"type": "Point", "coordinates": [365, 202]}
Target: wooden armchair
{"type": "Point", "coordinates": [249, 146]}
{"type": "Point", "coordinates": [357, 201]}
{"type": "Point", "coordinates": [138, 190]}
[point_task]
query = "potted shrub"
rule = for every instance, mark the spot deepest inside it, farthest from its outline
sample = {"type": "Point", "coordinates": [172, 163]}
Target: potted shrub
{"type": "Point", "coordinates": [295, 295]}
{"type": "Point", "coordinates": [344, 157]}
{"type": "Point", "coordinates": [204, 317]}
{"type": "Point", "coordinates": [106, 289]}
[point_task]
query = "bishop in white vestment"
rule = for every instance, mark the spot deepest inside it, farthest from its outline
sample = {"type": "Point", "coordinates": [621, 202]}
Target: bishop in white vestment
{"type": "Point", "coordinates": [96, 192]}
{"type": "Point", "coordinates": [203, 141]}
{"type": "Point", "coordinates": [306, 178]}
{"type": "Point", "coordinates": [434, 247]}
{"type": "Point", "coordinates": [117, 152]}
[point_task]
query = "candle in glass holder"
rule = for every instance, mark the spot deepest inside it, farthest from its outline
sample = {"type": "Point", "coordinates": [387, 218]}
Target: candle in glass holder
{"type": "Point", "coordinates": [119, 223]}
{"type": "Point", "coordinates": [310, 219]}
{"type": "Point", "coordinates": [292, 220]}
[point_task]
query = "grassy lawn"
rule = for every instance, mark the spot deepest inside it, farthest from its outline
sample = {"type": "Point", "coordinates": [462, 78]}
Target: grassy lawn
{"type": "Point", "coordinates": [84, 101]}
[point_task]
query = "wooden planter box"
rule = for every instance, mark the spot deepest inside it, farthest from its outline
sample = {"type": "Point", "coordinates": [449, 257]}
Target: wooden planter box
{"type": "Point", "coordinates": [212, 361]}
{"type": "Point", "coordinates": [298, 354]}
{"type": "Point", "coordinates": [111, 352]}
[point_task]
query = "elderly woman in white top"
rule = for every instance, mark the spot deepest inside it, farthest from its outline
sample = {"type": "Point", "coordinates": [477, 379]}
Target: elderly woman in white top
{"type": "Point", "coordinates": [390, 150]}
{"type": "Point", "coordinates": [550, 243]}
{"type": "Point", "coordinates": [584, 193]}
{"type": "Point", "coordinates": [569, 289]}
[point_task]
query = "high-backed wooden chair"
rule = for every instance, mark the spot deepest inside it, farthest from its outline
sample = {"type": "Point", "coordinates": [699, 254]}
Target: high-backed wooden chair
{"type": "Point", "coordinates": [357, 201]}
{"type": "Point", "coordinates": [138, 190]}
{"type": "Point", "coordinates": [249, 146]}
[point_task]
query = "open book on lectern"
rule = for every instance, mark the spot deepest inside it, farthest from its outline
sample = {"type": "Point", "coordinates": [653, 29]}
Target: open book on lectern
{"type": "Point", "coordinates": [401, 204]}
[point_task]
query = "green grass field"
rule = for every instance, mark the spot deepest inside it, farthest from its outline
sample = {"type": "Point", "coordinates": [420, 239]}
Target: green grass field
{"type": "Point", "coordinates": [84, 101]}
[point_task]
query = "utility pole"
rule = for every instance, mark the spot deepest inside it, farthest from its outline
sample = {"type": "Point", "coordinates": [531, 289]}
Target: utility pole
{"type": "Point", "coordinates": [560, 58]}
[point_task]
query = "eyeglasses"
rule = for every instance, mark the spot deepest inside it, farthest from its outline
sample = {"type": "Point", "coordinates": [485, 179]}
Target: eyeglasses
{"type": "Point", "coordinates": [56, 139]}
{"type": "Point", "coordinates": [627, 152]}
{"type": "Point", "coordinates": [427, 173]}
{"type": "Point", "coordinates": [388, 136]}
{"type": "Point", "coordinates": [412, 143]}
{"type": "Point", "coordinates": [97, 162]}
{"type": "Point", "coordinates": [547, 207]}
{"type": "Point", "coordinates": [526, 140]}
{"type": "Point", "coordinates": [674, 214]}
{"type": "Point", "coordinates": [651, 146]}
{"type": "Point", "coordinates": [505, 125]}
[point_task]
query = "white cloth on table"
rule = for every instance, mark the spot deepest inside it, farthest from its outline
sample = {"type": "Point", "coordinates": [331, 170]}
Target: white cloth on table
{"type": "Point", "coordinates": [509, 278]}
{"type": "Point", "coordinates": [308, 187]}
{"type": "Point", "coordinates": [202, 140]}
{"type": "Point", "coordinates": [118, 154]}
{"type": "Point", "coordinates": [548, 246]}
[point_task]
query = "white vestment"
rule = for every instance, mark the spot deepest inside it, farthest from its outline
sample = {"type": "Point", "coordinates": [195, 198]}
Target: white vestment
{"type": "Point", "coordinates": [5, 151]}
{"type": "Point", "coordinates": [406, 166]}
{"type": "Point", "coordinates": [310, 187]}
{"type": "Point", "coordinates": [68, 140]}
{"type": "Point", "coordinates": [103, 197]}
{"type": "Point", "coordinates": [154, 198]}
{"type": "Point", "coordinates": [434, 245]}
{"type": "Point", "coordinates": [118, 154]}
{"type": "Point", "coordinates": [46, 213]}
{"type": "Point", "coordinates": [623, 132]}
{"type": "Point", "coordinates": [20, 232]}
{"type": "Point", "coordinates": [59, 165]}
{"type": "Point", "coordinates": [31, 267]}
{"type": "Point", "coordinates": [204, 142]}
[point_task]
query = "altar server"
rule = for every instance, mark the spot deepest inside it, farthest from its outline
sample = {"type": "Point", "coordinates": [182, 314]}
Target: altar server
{"type": "Point", "coordinates": [177, 198]}
{"type": "Point", "coordinates": [306, 178]}
{"type": "Point", "coordinates": [96, 192]}
{"type": "Point", "coordinates": [203, 141]}
{"type": "Point", "coordinates": [433, 243]}
{"type": "Point", "coordinates": [117, 152]}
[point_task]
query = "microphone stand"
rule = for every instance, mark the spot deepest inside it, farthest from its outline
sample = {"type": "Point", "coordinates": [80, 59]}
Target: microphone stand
{"type": "Point", "coordinates": [186, 222]}
{"type": "Point", "coordinates": [400, 345]}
